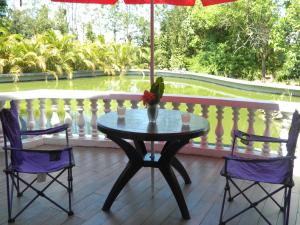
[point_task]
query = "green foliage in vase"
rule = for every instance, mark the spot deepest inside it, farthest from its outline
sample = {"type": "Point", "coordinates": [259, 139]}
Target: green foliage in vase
{"type": "Point", "coordinates": [157, 88]}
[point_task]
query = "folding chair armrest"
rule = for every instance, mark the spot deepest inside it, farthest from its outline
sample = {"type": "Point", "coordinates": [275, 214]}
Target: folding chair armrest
{"type": "Point", "coordinates": [46, 131]}
{"type": "Point", "coordinates": [240, 159]}
{"type": "Point", "coordinates": [245, 138]}
{"type": "Point", "coordinates": [46, 151]}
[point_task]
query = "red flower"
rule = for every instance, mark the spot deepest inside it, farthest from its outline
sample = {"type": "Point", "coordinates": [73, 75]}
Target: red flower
{"type": "Point", "coordinates": [148, 97]}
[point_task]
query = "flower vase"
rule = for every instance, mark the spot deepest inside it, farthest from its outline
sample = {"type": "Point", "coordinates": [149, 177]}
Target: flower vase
{"type": "Point", "coordinates": [152, 111]}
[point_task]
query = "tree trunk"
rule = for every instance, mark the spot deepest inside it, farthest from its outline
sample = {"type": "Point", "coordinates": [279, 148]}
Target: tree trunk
{"type": "Point", "coordinates": [263, 64]}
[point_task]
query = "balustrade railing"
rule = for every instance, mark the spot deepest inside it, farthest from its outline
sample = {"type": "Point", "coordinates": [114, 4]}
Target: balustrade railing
{"type": "Point", "coordinates": [80, 109]}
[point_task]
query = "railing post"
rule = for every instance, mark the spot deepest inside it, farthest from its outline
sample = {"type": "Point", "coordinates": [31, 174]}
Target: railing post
{"type": "Point", "coordinates": [219, 129]}
{"type": "Point", "coordinates": [235, 118]}
{"type": "Point", "coordinates": [94, 108]}
{"type": "Point", "coordinates": [190, 107]}
{"type": "Point", "coordinates": [17, 103]}
{"type": "Point", "coordinates": [251, 120]}
{"type": "Point", "coordinates": [54, 121]}
{"type": "Point", "coordinates": [204, 143]}
{"type": "Point", "coordinates": [120, 103]}
{"type": "Point", "coordinates": [1, 131]}
{"type": "Point", "coordinates": [81, 121]}
{"type": "Point", "coordinates": [68, 118]}
{"type": "Point", "coordinates": [54, 118]}
{"type": "Point", "coordinates": [284, 132]}
{"type": "Point", "coordinates": [43, 118]}
{"type": "Point", "coordinates": [162, 105]}
{"type": "Point", "coordinates": [30, 116]}
{"type": "Point", "coordinates": [267, 132]}
{"type": "Point", "coordinates": [176, 105]}
{"type": "Point", "coordinates": [107, 105]}
{"type": "Point", "coordinates": [134, 104]}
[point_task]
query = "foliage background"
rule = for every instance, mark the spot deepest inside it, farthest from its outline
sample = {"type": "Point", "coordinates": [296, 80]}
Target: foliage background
{"type": "Point", "coordinates": [251, 40]}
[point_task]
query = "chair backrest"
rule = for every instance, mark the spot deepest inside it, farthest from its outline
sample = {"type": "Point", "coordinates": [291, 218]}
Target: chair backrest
{"type": "Point", "coordinates": [11, 131]}
{"type": "Point", "coordinates": [293, 134]}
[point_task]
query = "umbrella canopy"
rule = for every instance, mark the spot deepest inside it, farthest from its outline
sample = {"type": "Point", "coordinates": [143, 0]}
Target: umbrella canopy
{"type": "Point", "coordinates": [151, 2]}
{"type": "Point", "coordinates": [169, 2]}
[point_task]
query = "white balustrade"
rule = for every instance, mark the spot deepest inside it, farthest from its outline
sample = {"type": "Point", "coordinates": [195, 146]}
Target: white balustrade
{"type": "Point", "coordinates": [134, 104]}
{"type": "Point", "coordinates": [251, 120]}
{"type": "Point", "coordinates": [284, 132]}
{"type": "Point", "coordinates": [54, 121]}
{"type": "Point", "coordinates": [219, 129]}
{"type": "Point", "coordinates": [177, 102]}
{"type": "Point", "coordinates": [30, 117]}
{"type": "Point", "coordinates": [190, 107]}
{"type": "Point", "coordinates": [94, 110]}
{"type": "Point", "coordinates": [267, 132]}
{"type": "Point", "coordinates": [204, 143]}
{"type": "Point", "coordinates": [68, 118]}
{"type": "Point", "coordinates": [176, 105]}
{"type": "Point", "coordinates": [107, 103]}
{"type": "Point", "coordinates": [162, 105]}
{"type": "Point", "coordinates": [81, 121]}
{"type": "Point", "coordinates": [43, 118]}
{"type": "Point", "coordinates": [120, 103]}
{"type": "Point", "coordinates": [1, 130]}
{"type": "Point", "coordinates": [17, 103]}
{"type": "Point", "coordinates": [235, 119]}
{"type": "Point", "coordinates": [54, 118]}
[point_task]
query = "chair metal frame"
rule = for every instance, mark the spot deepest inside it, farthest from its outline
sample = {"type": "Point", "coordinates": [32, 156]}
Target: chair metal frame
{"type": "Point", "coordinates": [13, 177]}
{"type": "Point", "coordinates": [286, 186]}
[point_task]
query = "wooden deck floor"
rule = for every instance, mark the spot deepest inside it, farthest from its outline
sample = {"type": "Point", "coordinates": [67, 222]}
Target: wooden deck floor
{"type": "Point", "coordinates": [95, 173]}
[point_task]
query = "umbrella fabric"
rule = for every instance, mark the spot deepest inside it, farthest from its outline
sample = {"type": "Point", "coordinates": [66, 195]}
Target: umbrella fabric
{"type": "Point", "coordinates": [170, 2]}
{"type": "Point", "coordinates": [104, 2]}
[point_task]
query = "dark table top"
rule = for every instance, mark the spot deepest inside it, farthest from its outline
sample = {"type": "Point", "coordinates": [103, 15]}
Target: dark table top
{"type": "Point", "coordinates": [168, 126]}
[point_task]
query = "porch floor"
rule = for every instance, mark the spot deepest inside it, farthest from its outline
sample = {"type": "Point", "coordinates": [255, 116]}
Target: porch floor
{"type": "Point", "coordinates": [97, 169]}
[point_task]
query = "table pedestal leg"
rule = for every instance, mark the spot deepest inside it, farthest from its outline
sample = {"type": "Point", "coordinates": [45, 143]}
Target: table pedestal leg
{"type": "Point", "coordinates": [170, 177]}
{"type": "Point", "coordinates": [179, 167]}
{"type": "Point", "coordinates": [129, 171]}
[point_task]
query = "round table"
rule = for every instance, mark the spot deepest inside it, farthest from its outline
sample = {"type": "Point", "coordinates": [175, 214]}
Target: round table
{"type": "Point", "coordinates": [168, 127]}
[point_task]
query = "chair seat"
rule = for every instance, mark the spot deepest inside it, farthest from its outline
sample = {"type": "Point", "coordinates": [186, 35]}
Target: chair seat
{"type": "Point", "coordinates": [37, 162]}
{"type": "Point", "coordinates": [273, 170]}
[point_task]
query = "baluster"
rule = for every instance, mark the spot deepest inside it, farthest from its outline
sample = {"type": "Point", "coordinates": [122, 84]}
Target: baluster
{"type": "Point", "coordinates": [94, 109]}
{"type": "Point", "coordinates": [54, 118]}
{"type": "Point", "coordinates": [190, 107]}
{"type": "Point", "coordinates": [219, 129]}
{"type": "Point", "coordinates": [120, 103]}
{"type": "Point", "coordinates": [134, 104]}
{"type": "Point", "coordinates": [267, 132]}
{"type": "Point", "coordinates": [68, 118]}
{"type": "Point", "coordinates": [43, 118]}
{"type": "Point", "coordinates": [107, 105]}
{"type": "Point", "coordinates": [235, 113]}
{"type": "Point", "coordinates": [81, 121]}
{"type": "Point", "coordinates": [30, 115]}
{"type": "Point", "coordinates": [17, 103]}
{"type": "Point", "coordinates": [162, 105]}
{"type": "Point", "coordinates": [284, 132]}
{"type": "Point", "coordinates": [175, 105]}
{"type": "Point", "coordinates": [2, 102]}
{"type": "Point", "coordinates": [204, 143]}
{"type": "Point", "coordinates": [251, 120]}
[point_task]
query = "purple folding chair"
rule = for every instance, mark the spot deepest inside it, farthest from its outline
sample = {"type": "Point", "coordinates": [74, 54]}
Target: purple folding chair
{"type": "Point", "coordinates": [32, 162]}
{"type": "Point", "coordinates": [278, 170]}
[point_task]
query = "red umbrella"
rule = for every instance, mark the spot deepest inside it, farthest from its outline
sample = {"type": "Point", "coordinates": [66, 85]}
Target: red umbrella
{"type": "Point", "coordinates": [151, 2]}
